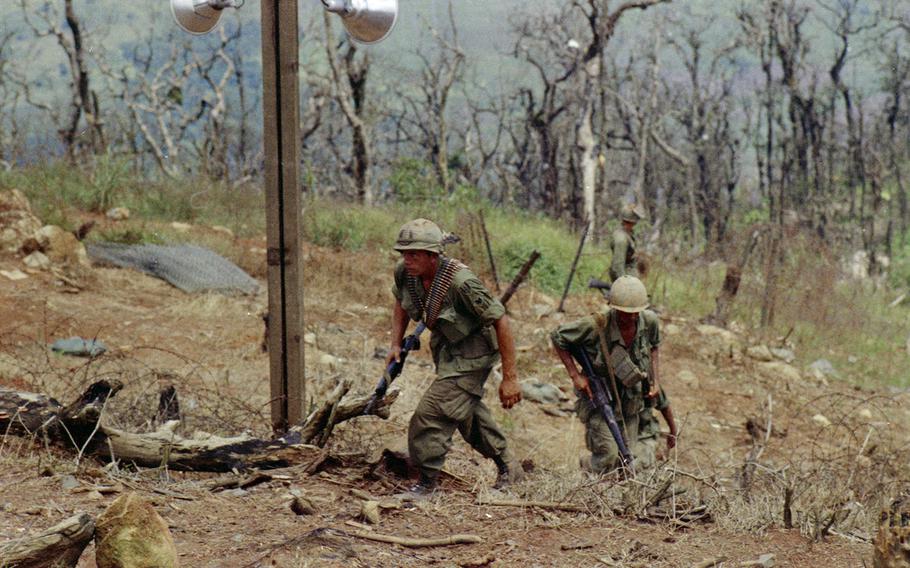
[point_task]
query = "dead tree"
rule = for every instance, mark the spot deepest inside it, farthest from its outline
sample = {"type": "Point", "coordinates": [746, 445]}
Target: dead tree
{"type": "Point", "coordinates": [83, 107]}
{"type": "Point", "coordinates": [601, 24]}
{"type": "Point", "coordinates": [350, 72]}
{"type": "Point", "coordinates": [81, 427]}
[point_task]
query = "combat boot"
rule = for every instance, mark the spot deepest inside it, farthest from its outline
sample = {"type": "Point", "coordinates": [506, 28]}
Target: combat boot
{"type": "Point", "coordinates": [423, 488]}
{"type": "Point", "coordinates": [505, 473]}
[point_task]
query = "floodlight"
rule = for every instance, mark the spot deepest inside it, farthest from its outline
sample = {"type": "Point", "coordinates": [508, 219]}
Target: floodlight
{"type": "Point", "coordinates": [366, 21]}
{"type": "Point", "coordinates": [200, 16]}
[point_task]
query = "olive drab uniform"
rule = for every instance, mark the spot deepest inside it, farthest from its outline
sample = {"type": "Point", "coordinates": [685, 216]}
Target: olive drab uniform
{"type": "Point", "coordinates": [649, 429]}
{"type": "Point", "coordinates": [464, 348]}
{"type": "Point", "coordinates": [624, 256]}
{"type": "Point", "coordinates": [584, 333]}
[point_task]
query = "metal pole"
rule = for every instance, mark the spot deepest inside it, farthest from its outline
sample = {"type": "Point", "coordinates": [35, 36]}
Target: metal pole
{"type": "Point", "coordinates": [280, 105]}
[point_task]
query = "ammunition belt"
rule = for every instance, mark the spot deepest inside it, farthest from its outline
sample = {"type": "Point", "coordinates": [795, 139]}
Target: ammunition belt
{"type": "Point", "coordinates": [445, 274]}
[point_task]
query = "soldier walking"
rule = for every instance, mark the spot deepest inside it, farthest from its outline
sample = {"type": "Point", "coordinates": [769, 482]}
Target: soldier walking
{"type": "Point", "coordinates": [623, 244]}
{"type": "Point", "coordinates": [470, 333]}
{"type": "Point", "coordinates": [622, 342]}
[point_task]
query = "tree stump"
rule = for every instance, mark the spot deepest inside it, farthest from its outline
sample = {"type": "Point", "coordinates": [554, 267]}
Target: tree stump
{"type": "Point", "coordinates": [59, 546]}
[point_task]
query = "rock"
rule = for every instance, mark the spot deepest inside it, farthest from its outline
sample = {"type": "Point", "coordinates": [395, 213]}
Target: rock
{"type": "Point", "coordinates": [785, 355]}
{"type": "Point", "coordinates": [852, 359]}
{"type": "Point", "coordinates": [759, 353]}
{"type": "Point", "coordinates": [865, 414]}
{"type": "Point", "coordinates": [542, 310]}
{"type": "Point", "coordinates": [821, 420]}
{"type": "Point", "coordinates": [68, 483]}
{"type": "Point", "coordinates": [131, 534]}
{"type": "Point", "coordinates": [302, 506]}
{"type": "Point", "coordinates": [721, 342]}
{"type": "Point", "coordinates": [17, 222]}
{"type": "Point", "coordinates": [118, 214]}
{"type": "Point", "coordinates": [824, 368]}
{"type": "Point", "coordinates": [224, 231]}
{"type": "Point", "coordinates": [671, 329]}
{"type": "Point", "coordinates": [369, 511]}
{"type": "Point", "coordinates": [14, 274]}
{"type": "Point", "coordinates": [37, 260]}
{"type": "Point", "coordinates": [61, 247]}
{"type": "Point", "coordinates": [763, 561]}
{"type": "Point", "coordinates": [329, 361]}
{"type": "Point", "coordinates": [780, 370]}
{"type": "Point", "coordinates": [688, 378]}
{"type": "Point", "coordinates": [181, 227]}
{"type": "Point", "coordinates": [545, 393]}
{"type": "Point", "coordinates": [309, 338]}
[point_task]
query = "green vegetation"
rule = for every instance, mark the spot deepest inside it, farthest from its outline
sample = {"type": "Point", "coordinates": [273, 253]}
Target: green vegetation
{"type": "Point", "coordinates": [819, 313]}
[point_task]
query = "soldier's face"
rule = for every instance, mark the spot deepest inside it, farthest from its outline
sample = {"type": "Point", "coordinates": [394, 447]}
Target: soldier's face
{"type": "Point", "coordinates": [419, 263]}
{"type": "Point", "coordinates": [629, 226]}
{"type": "Point", "coordinates": [626, 319]}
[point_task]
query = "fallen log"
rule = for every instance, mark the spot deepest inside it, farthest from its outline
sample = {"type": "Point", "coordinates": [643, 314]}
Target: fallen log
{"type": "Point", "coordinates": [419, 542]}
{"type": "Point", "coordinates": [60, 545]}
{"type": "Point", "coordinates": [77, 426]}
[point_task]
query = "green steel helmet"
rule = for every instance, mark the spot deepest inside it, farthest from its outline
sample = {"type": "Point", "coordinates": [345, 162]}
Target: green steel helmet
{"type": "Point", "coordinates": [628, 295]}
{"type": "Point", "coordinates": [630, 213]}
{"type": "Point", "coordinates": [419, 234]}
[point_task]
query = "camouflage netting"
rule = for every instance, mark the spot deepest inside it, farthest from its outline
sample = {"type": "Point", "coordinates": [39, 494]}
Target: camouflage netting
{"type": "Point", "coordinates": [188, 267]}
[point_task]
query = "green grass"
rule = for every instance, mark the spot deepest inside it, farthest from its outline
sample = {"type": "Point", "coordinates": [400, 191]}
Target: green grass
{"type": "Point", "coordinates": [822, 315]}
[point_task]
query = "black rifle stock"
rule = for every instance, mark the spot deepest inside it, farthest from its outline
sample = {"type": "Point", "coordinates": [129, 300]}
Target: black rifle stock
{"type": "Point", "coordinates": [604, 287]}
{"type": "Point", "coordinates": [602, 400]}
{"type": "Point", "coordinates": [410, 343]}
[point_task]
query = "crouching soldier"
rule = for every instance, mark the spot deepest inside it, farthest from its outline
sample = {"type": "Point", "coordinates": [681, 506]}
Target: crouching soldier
{"type": "Point", "coordinates": [470, 334]}
{"type": "Point", "coordinates": [622, 345]}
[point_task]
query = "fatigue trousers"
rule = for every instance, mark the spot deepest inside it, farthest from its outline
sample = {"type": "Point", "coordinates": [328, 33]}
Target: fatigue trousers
{"type": "Point", "coordinates": [599, 440]}
{"type": "Point", "coordinates": [449, 404]}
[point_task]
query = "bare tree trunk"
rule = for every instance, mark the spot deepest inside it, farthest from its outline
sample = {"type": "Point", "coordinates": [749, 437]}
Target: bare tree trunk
{"type": "Point", "coordinates": [59, 546]}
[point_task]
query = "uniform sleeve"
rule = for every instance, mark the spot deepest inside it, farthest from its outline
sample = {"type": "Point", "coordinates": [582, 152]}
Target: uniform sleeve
{"type": "Point", "coordinates": [653, 328]}
{"type": "Point", "coordinates": [620, 247]}
{"type": "Point", "coordinates": [580, 332]}
{"type": "Point", "coordinates": [663, 401]}
{"type": "Point", "coordinates": [476, 299]}
{"type": "Point", "coordinates": [398, 284]}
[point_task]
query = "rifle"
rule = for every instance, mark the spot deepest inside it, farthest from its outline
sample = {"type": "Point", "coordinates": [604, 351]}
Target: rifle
{"type": "Point", "coordinates": [603, 401]}
{"type": "Point", "coordinates": [410, 343]}
{"type": "Point", "coordinates": [604, 287]}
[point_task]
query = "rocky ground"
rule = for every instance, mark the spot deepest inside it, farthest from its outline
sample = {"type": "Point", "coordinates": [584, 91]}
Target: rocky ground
{"type": "Point", "coordinates": [766, 441]}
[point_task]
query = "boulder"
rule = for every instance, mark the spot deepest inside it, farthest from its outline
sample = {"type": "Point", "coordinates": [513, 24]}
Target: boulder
{"type": "Point", "coordinates": [545, 393]}
{"type": "Point", "coordinates": [780, 370]}
{"type": "Point", "coordinates": [37, 260]}
{"type": "Point", "coordinates": [131, 534]}
{"type": "Point", "coordinates": [17, 222]}
{"type": "Point", "coordinates": [118, 214]}
{"type": "Point", "coordinates": [823, 368]}
{"type": "Point", "coordinates": [759, 353]}
{"type": "Point", "coordinates": [785, 355]}
{"type": "Point", "coordinates": [61, 247]}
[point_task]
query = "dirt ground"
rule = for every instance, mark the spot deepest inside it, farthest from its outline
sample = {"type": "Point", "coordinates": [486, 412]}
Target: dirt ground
{"type": "Point", "coordinates": [208, 346]}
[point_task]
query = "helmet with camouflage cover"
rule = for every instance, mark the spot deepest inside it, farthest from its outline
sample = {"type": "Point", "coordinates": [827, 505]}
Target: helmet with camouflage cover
{"type": "Point", "coordinates": [628, 295]}
{"type": "Point", "coordinates": [630, 213]}
{"type": "Point", "coordinates": [419, 234]}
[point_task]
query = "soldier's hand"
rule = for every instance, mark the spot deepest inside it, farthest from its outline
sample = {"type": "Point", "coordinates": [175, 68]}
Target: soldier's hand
{"type": "Point", "coordinates": [671, 441]}
{"type": "Point", "coordinates": [509, 393]}
{"type": "Point", "coordinates": [581, 383]}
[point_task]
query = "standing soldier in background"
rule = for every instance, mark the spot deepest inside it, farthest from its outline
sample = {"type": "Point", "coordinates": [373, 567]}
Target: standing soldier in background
{"type": "Point", "coordinates": [622, 343]}
{"type": "Point", "coordinates": [623, 244]}
{"type": "Point", "coordinates": [470, 333]}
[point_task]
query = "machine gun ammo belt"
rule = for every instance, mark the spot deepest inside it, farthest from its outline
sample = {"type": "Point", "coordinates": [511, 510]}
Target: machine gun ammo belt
{"type": "Point", "coordinates": [445, 274]}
